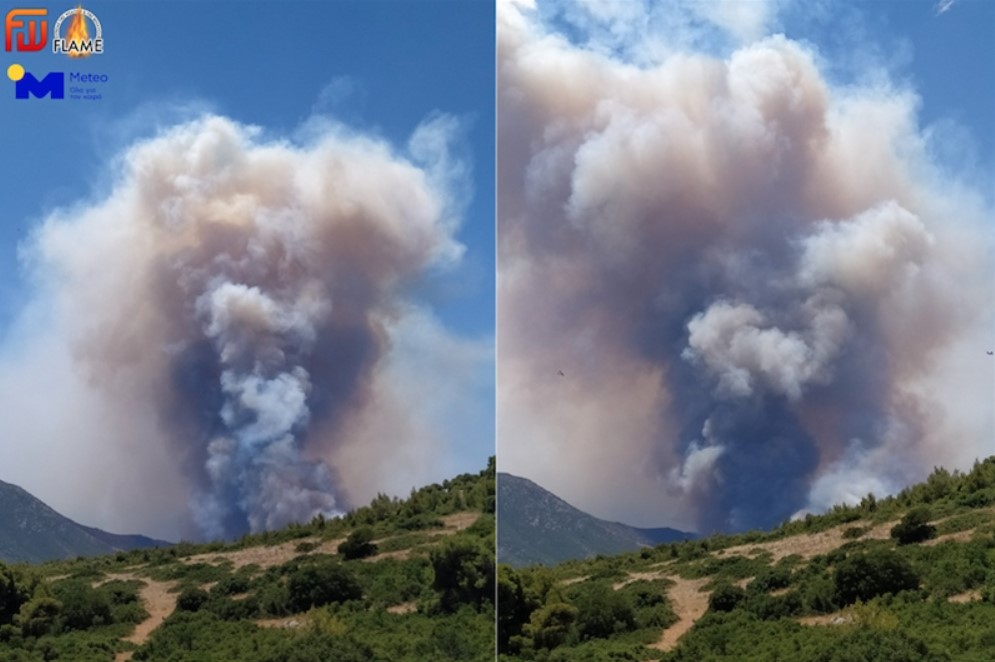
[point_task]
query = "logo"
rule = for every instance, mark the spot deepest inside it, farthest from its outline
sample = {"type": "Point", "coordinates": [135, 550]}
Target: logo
{"type": "Point", "coordinates": [31, 35]}
{"type": "Point", "coordinates": [82, 86]}
{"type": "Point", "coordinates": [26, 85]}
{"type": "Point", "coordinates": [77, 41]}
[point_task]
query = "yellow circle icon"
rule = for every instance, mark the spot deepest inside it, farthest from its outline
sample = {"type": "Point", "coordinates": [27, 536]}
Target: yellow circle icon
{"type": "Point", "coordinates": [15, 72]}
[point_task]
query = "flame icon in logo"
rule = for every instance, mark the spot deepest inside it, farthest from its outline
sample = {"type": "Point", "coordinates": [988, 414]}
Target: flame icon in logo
{"type": "Point", "coordinates": [77, 41]}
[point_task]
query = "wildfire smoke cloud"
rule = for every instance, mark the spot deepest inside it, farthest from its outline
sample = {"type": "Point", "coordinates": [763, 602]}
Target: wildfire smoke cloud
{"type": "Point", "coordinates": [763, 294]}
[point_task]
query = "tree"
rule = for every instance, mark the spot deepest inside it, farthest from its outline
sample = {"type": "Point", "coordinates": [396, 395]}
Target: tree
{"type": "Point", "coordinates": [82, 606]}
{"type": "Point", "coordinates": [726, 597]}
{"type": "Point", "coordinates": [603, 612]}
{"type": "Point", "coordinates": [359, 544]}
{"type": "Point", "coordinates": [11, 595]}
{"type": "Point", "coordinates": [191, 599]}
{"type": "Point", "coordinates": [319, 584]}
{"type": "Point", "coordinates": [866, 576]}
{"type": "Point", "coordinates": [914, 527]}
{"type": "Point", "coordinates": [464, 573]}
{"type": "Point", "coordinates": [38, 617]}
{"type": "Point", "coordinates": [552, 625]}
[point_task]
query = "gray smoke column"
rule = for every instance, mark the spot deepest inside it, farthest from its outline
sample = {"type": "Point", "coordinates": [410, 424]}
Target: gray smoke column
{"type": "Point", "coordinates": [230, 312]}
{"type": "Point", "coordinates": [764, 296]}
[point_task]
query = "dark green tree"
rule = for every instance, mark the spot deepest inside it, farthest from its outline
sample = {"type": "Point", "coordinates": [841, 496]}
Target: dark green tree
{"type": "Point", "coordinates": [866, 576]}
{"type": "Point", "coordinates": [464, 573]}
{"type": "Point", "coordinates": [914, 527]}
{"type": "Point", "coordinates": [319, 584]}
{"type": "Point", "coordinates": [552, 625]}
{"type": "Point", "coordinates": [359, 544]}
{"type": "Point", "coordinates": [726, 597]}
{"type": "Point", "coordinates": [603, 612]}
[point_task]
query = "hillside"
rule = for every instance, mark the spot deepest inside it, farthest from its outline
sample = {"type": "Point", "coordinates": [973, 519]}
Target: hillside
{"type": "Point", "coordinates": [536, 526]}
{"type": "Point", "coordinates": [397, 580]}
{"type": "Point", "coordinates": [31, 531]}
{"type": "Point", "coordinates": [908, 578]}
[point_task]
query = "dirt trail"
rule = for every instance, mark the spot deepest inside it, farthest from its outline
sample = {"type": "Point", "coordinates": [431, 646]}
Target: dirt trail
{"type": "Point", "coordinates": [809, 544]}
{"type": "Point", "coordinates": [967, 596]}
{"type": "Point", "coordinates": [273, 555]}
{"type": "Point", "coordinates": [459, 521]}
{"type": "Point", "coordinates": [690, 603]}
{"type": "Point", "coordinates": [836, 618]}
{"type": "Point", "coordinates": [158, 601]}
{"type": "Point", "coordinates": [265, 557]}
{"type": "Point", "coordinates": [574, 580]}
{"type": "Point", "coordinates": [635, 577]}
{"type": "Point", "coordinates": [959, 536]}
{"type": "Point", "coordinates": [403, 608]}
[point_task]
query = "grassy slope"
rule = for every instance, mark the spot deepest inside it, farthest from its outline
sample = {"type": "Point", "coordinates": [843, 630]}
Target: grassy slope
{"type": "Point", "coordinates": [243, 601]}
{"type": "Point", "coordinates": [785, 586]}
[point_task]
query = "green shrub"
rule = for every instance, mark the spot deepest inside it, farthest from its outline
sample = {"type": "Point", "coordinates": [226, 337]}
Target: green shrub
{"type": "Point", "coordinates": [868, 575]}
{"type": "Point", "coordinates": [914, 527]}
{"type": "Point", "coordinates": [464, 572]}
{"type": "Point", "coordinates": [191, 599]}
{"type": "Point", "coordinates": [726, 597]}
{"type": "Point", "coordinates": [359, 544]}
{"type": "Point", "coordinates": [603, 612]}
{"type": "Point", "coordinates": [319, 584]}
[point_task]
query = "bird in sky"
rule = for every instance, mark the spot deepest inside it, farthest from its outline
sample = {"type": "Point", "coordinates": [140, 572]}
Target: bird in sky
{"type": "Point", "coordinates": [560, 372]}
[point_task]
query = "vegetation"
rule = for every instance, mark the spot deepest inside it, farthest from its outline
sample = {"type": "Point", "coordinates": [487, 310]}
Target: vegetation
{"type": "Point", "coordinates": [905, 578]}
{"type": "Point", "coordinates": [315, 591]}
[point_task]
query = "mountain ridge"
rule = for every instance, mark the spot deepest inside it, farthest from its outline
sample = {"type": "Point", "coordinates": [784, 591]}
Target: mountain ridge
{"type": "Point", "coordinates": [536, 526]}
{"type": "Point", "coordinates": [31, 531]}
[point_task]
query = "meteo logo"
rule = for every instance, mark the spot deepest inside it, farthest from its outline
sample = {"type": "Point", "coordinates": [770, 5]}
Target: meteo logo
{"type": "Point", "coordinates": [31, 35]}
{"type": "Point", "coordinates": [26, 85]}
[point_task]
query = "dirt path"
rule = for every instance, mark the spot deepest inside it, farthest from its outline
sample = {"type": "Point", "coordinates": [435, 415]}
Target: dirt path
{"type": "Point", "coordinates": [158, 602]}
{"type": "Point", "coordinates": [967, 596]}
{"type": "Point", "coordinates": [459, 521]}
{"type": "Point", "coordinates": [807, 545]}
{"type": "Point", "coordinates": [959, 536]}
{"type": "Point", "coordinates": [574, 580]}
{"type": "Point", "coordinates": [265, 557]}
{"type": "Point", "coordinates": [836, 618]}
{"type": "Point", "coordinates": [403, 608]}
{"type": "Point", "coordinates": [636, 577]}
{"type": "Point", "coordinates": [690, 603]}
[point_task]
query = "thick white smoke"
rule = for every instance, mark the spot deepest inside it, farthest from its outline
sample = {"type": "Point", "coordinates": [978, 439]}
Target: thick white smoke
{"type": "Point", "coordinates": [231, 313]}
{"type": "Point", "coordinates": [761, 291]}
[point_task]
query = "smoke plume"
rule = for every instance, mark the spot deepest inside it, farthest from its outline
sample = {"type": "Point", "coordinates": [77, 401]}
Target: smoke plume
{"type": "Point", "coordinates": [221, 328]}
{"type": "Point", "coordinates": [762, 293]}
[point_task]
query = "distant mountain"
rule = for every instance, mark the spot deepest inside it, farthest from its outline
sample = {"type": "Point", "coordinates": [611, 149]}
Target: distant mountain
{"type": "Point", "coordinates": [536, 526]}
{"type": "Point", "coordinates": [32, 532]}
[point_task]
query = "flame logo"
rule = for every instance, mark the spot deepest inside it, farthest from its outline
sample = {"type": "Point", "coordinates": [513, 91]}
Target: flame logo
{"type": "Point", "coordinates": [78, 34]}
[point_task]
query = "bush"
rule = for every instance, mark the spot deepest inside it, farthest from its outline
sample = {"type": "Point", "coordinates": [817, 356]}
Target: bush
{"type": "Point", "coordinates": [914, 527]}
{"type": "Point", "coordinates": [11, 595]}
{"type": "Point", "coordinates": [82, 606]}
{"type": "Point", "coordinates": [464, 573]}
{"type": "Point", "coordinates": [359, 544]}
{"type": "Point", "coordinates": [191, 599]}
{"type": "Point", "coordinates": [603, 612]}
{"type": "Point", "coordinates": [319, 584]}
{"type": "Point", "coordinates": [552, 625]}
{"type": "Point", "coordinates": [866, 576]}
{"type": "Point", "coordinates": [726, 597]}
